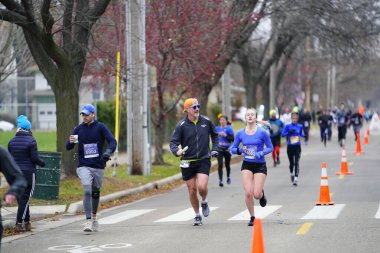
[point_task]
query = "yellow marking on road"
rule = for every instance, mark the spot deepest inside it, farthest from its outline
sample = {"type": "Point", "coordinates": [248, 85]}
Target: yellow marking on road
{"type": "Point", "coordinates": [341, 176]}
{"type": "Point", "coordinates": [304, 228]}
{"type": "Point", "coordinates": [331, 194]}
{"type": "Point", "coordinates": [350, 163]}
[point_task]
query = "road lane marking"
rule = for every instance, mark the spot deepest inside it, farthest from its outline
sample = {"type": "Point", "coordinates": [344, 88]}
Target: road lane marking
{"type": "Point", "coordinates": [260, 212]}
{"type": "Point", "coordinates": [377, 216]}
{"type": "Point", "coordinates": [126, 215]}
{"type": "Point", "coordinates": [341, 176]}
{"type": "Point", "coordinates": [350, 163]}
{"type": "Point", "coordinates": [304, 228]}
{"type": "Point", "coordinates": [184, 215]}
{"type": "Point", "coordinates": [324, 212]}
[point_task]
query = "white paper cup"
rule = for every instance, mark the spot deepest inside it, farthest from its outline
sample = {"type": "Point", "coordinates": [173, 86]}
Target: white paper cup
{"type": "Point", "coordinates": [75, 138]}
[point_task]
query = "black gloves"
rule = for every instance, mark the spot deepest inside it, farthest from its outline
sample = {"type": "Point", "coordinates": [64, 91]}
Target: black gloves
{"type": "Point", "coordinates": [106, 155]}
{"type": "Point", "coordinates": [42, 163]}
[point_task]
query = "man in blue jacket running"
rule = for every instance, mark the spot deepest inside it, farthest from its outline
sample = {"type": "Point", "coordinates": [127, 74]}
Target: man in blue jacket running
{"type": "Point", "coordinates": [90, 136]}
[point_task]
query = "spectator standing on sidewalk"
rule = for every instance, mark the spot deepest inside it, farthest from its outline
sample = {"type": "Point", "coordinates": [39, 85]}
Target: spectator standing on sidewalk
{"type": "Point", "coordinates": [276, 126]}
{"type": "Point", "coordinates": [293, 132]}
{"type": "Point", "coordinates": [253, 168]}
{"type": "Point", "coordinates": [15, 179]}
{"type": "Point", "coordinates": [90, 136]}
{"type": "Point", "coordinates": [193, 134]}
{"type": "Point", "coordinates": [226, 137]}
{"type": "Point", "coordinates": [23, 148]}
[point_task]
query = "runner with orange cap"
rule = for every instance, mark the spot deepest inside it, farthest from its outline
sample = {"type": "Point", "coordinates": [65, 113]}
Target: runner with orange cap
{"type": "Point", "coordinates": [190, 141]}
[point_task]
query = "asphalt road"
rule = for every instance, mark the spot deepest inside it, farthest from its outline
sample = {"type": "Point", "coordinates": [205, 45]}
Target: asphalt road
{"type": "Point", "coordinates": [291, 221]}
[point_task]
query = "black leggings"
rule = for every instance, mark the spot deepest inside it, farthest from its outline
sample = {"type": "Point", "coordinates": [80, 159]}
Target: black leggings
{"type": "Point", "coordinates": [25, 198]}
{"type": "Point", "coordinates": [294, 155]}
{"type": "Point", "coordinates": [227, 157]}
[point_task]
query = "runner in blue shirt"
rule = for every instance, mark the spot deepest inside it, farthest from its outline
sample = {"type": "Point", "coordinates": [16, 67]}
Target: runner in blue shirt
{"type": "Point", "coordinates": [253, 169]}
{"type": "Point", "coordinates": [276, 126]}
{"type": "Point", "coordinates": [293, 132]}
{"type": "Point", "coordinates": [226, 137]}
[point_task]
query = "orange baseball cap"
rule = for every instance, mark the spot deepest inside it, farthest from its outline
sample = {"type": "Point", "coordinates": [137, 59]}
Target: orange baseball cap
{"type": "Point", "coordinates": [189, 102]}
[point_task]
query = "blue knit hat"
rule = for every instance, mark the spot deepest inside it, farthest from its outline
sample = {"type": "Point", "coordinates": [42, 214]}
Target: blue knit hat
{"type": "Point", "coordinates": [23, 122]}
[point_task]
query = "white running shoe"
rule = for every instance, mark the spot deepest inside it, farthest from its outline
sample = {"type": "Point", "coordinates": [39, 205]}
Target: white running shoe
{"type": "Point", "coordinates": [88, 226]}
{"type": "Point", "coordinates": [95, 226]}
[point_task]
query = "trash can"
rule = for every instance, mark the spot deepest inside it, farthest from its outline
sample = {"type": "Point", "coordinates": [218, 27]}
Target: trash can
{"type": "Point", "coordinates": [48, 177]}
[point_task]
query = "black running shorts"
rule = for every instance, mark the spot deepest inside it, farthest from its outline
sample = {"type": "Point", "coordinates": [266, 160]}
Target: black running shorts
{"type": "Point", "coordinates": [254, 167]}
{"type": "Point", "coordinates": [195, 167]}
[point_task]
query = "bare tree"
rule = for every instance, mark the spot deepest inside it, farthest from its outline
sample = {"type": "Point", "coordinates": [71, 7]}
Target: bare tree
{"type": "Point", "coordinates": [341, 29]}
{"type": "Point", "coordinates": [57, 34]}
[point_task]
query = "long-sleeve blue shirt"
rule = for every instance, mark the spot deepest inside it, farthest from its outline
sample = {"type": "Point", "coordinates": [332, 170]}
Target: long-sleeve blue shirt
{"type": "Point", "coordinates": [293, 132]}
{"type": "Point", "coordinates": [254, 143]}
{"type": "Point", "coordinates": [225, 141]}
{"type": "Point", "coordinates": [91, 140]}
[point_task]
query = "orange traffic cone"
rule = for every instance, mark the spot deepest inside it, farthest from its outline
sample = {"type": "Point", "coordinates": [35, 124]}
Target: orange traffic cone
{"type": "Point", "coordinates": [257, 237]}
{"type": "Point", "coordinates": [358, 150]}
{"type": "Point", "coordinates": [343, 164]}
{"type": "Point", "coordinates": [324, 195]}
{"type": "Point", "coordinates": [365, 140]}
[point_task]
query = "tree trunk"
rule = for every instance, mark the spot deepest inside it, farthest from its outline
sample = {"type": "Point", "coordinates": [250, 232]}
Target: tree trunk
{"type": "Point", "coordinates": [67, 100]}
{"type": "Point", "coordinates": [159, 135]}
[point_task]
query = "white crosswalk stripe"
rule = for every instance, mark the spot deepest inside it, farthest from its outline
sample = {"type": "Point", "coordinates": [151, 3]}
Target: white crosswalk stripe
{"type": "Point", "coordinates": [377, 215]}
{"type": "Point", "coordinates": [260, 212]}
{"type": "Point", "coordinates": [314, 213]}
{"type": "Point", "coordinates": [184, 215]}
{"type": "Point", "coordinates": [126, 215]}
{"type": "Point", "coordinates": [324, 212]}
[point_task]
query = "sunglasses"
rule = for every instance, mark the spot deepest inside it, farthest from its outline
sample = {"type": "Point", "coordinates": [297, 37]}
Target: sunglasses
{"type": "Point", "coordinates": [194, 107]}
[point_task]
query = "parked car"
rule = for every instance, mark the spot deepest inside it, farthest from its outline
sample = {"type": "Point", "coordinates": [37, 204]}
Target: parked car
{"type": "Point", "coordinates": [6, 126]}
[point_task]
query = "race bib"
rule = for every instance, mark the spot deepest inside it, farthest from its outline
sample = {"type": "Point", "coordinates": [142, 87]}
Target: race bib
{"type": "Point", "coordinates": [341, 121]}
{"type": "Point", "coordinates": [251, 152]}
{"type": "Point", "coordinates": [90, 150]}
{"type": "Point", "coordinates": [294, 139]}
{"type": "Point", "coordinates": [306, 123]}
{"type": "Point", "coordinates": [184, 164]}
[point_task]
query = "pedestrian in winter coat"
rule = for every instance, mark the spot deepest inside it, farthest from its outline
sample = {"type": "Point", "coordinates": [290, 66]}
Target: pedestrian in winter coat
{"type": "Point", "coordinates": [23, 148]}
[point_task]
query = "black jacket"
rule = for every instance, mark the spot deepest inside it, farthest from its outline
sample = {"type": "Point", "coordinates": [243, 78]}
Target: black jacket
{"type": "Point", "coordinates": [12, 173]}
{"type": "Point", "coordinates": [23, 148]}
{"type": "Point", "coordinates": [196, 137]}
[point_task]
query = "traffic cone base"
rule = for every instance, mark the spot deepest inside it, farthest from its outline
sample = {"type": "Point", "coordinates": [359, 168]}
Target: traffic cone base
{"type": "Point", "coordinates": [257, 237]}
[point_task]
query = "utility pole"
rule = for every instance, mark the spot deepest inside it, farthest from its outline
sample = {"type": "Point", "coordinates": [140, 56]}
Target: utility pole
{"type": "Point", "coordinates": [138, 144]}
{"type": "Point", "coordinates": [226, 90]}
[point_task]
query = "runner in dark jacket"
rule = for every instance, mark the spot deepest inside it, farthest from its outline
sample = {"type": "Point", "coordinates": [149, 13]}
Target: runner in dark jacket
{"type": "Point", "coordinates": [23, 148]}
{"type": "Point", "coordinates": [15, 179]}
{"type": "Point", "coordinates": [193, 134]}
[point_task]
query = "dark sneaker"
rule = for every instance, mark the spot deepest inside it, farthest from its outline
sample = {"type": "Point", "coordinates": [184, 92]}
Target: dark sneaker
{"type": "Point", "coordinates": [278, 160]}
{"type": "Point", "coordinates": [228, 180]}
{"type": "Point", "coordinates": [274, 164]}
{"type": "Point", "coordinates": [251, 221]}
{"type": "Point", "coordinates": [197, 221]}
{"type": "Point", "coordinates": [221, 183]}
{"type": "Point", "coordinates": [205, 209]}
{"type": "Point", "coordinates": [28, 226]}
{"type": "Point", "coordinates": [19, 227]}
{"type": "Point", "coordinates": [292, 178]}
{"type": "Point", "coordinates": [263, 200]}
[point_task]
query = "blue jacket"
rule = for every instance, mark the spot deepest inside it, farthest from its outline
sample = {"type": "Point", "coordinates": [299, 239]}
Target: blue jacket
{"type": "Point", "coordinates": [23, 148]}
{"type": "Point", "coordinates": [91, 140]}
{"type": "Point", "coordinates": [293, 132]}
{"type": "Point", "coordinates": [254, 144]}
